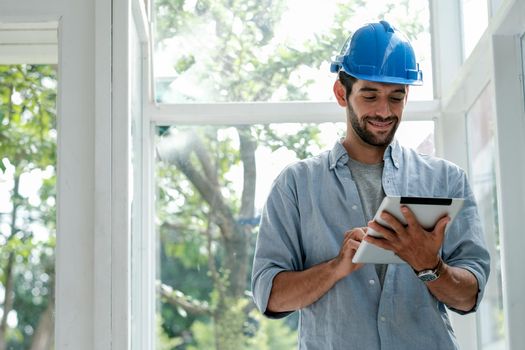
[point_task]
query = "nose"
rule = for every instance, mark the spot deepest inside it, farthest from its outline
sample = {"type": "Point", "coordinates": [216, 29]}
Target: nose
{"type": "Point", "coordinates": [383, 109]}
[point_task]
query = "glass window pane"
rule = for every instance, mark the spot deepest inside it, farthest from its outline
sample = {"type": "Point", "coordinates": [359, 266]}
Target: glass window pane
{"type": "Point", "coordinates": [28, 139]}
{"type": "Point", "coordinates": [495, 6]}
{"type": "Point", "coordinates": [212, 182]}
{"type": "Point", "coordinates": [222, 51]}
{"type": "Point", "coordinates": [481, 147]}
{"type": "Point", "coordinates": [474, 20]}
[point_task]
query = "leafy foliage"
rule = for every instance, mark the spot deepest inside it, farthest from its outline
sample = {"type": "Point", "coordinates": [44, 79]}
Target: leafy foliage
{"type": "Point", "coordinates": [27, 160]}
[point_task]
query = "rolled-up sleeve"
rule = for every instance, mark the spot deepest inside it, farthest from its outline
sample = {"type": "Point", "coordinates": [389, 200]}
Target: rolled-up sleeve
{"type": "Point", "coordinates": [278, 246]}
{"type": "Point", "coordinates": [465, 245]}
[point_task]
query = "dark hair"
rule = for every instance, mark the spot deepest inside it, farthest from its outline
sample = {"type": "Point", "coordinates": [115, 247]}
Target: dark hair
{"type": "Point", "coordinates": [347, 81]}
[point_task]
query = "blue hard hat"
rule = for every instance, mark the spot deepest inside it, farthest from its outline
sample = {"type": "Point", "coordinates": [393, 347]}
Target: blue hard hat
{"type": "Point", "coordinates": [381, 53]}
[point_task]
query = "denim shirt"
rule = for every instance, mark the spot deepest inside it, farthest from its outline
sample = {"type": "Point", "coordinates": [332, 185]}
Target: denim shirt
{"type": "Point", "coordinates": [314, 202]}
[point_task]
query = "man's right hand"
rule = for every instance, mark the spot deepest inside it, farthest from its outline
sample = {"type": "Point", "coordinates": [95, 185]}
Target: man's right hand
{"type": "Point", "coordinates": [343, 262]}
{"type": "Point", "coordinates": [293, 290]}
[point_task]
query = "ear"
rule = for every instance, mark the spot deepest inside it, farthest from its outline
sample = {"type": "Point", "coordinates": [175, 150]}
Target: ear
{"type": "Point", "coordinates": [340, 93]}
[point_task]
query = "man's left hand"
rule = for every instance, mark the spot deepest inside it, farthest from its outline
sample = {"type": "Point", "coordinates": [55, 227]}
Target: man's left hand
{"type": "Point", "coordinates": [411, 242]}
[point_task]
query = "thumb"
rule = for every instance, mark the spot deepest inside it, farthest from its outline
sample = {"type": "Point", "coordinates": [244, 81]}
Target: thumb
{"type": "Point", "coordinates": [441, 225]}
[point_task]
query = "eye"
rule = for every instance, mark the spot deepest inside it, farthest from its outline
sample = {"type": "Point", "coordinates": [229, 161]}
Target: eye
{"type": "Point", "coordinates": [396, 99]}
{"type": "Point", "coordinates": [369, 98]}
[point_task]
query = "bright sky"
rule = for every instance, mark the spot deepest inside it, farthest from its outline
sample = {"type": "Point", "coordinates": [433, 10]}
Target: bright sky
{"type": "Point", "coordinates": [29, 187]}
{"type": "Point", "coordinates": [475, 20]}
{"type": "Point", "coordinates": [301, 20]}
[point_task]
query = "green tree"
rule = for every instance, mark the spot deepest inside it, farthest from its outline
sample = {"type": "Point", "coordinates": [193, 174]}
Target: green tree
{"type": "Point", "coordinates": [208, 237]}
{"type": "Point", "coordinates": [207, 221]}
{"type": "Point", "coordinates": [27, 156]}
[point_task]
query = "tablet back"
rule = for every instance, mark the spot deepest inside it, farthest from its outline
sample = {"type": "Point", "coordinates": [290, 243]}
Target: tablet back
{"type": "Point", "coordinates": [427, 211]}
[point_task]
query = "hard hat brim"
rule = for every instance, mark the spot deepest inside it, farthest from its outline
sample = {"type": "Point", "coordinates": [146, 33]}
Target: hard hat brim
{"type": "Point", "coordinates": [386, 79]}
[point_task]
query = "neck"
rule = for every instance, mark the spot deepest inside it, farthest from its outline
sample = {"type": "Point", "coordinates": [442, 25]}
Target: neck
{"type": "Point", "coordinates": [361, 151]}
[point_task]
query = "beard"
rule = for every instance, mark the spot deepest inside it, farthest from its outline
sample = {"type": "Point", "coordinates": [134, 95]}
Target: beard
{"type": "Point", "coordinates": [382, 139]}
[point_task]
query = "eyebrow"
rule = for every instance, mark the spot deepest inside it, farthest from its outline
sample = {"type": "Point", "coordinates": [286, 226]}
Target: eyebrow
{"type": "Point", "coordinates": [371, 89]}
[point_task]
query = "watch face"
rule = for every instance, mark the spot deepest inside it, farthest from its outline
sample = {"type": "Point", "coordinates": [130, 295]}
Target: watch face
{"type": "Point", "coordinates": [427, 276]}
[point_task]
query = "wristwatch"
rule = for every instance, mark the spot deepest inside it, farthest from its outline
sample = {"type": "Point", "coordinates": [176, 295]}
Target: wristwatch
{"type": "Point", "coordinates": [430, 275]}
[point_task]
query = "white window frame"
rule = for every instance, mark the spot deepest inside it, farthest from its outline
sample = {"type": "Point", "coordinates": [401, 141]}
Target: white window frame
{"type": "Point", "coordinates": [33, 42]}
{"type": "Point", "coordinates": [92, 255]}
{"type": "Point", "coordinates": [496, 58]}
{"type": "Point", "coordinates": [75, 280]}
{"type": "Point", "coordinates": [237, 113]}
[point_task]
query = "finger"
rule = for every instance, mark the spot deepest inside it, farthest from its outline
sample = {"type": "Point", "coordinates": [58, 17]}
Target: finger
{"type": "Point", "coordinates": [380, 242]}
{"type": "Point", "coordinates": [350, 247]}
{"type": "Point", "coordinates": [383, 231]}
{"type": "Point", "coordinates": [346, 240]}
{"type": "Point", "coordinates": [353, 244]}
{"type": "Point", "coordinates": [409, 216]}
{"type": "Point", "coordinates": [358, 234]}
{"type": "Point", "coordinates": [393, 222]}
{"type": "Point", "coordinates": [347, 236]}
{"type": "Point", "coordinates": [441, 225]}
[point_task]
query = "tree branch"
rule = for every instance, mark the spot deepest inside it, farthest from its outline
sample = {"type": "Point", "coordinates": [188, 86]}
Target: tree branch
{"type": "Point", "coordinates": [211, 258]}
{"type": "Point", "coordinates": [248, 145]}
{"type": "Point", "coordinates": [179, 299]}
{"type": "Point", "coordinates": [208, 166]}
{"type": "Point", "coordinates": [209, 192]}
{"type": "Point", "coordinates": [171, 226]}
{"type": "Point", "coordinates": [44, 336]}
{"type": "Point", "coordinates": [8, 299]}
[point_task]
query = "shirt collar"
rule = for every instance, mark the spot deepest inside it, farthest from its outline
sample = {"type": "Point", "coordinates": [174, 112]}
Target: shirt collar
{"type": "Point", "coordinates": [393, 153]}
{"type": "Point", "coordinates": [339, 156]}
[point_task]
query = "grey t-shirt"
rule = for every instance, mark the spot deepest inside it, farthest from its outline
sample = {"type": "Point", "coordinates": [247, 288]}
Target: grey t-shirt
{"type": "Point", "coordinates": [369, 186]}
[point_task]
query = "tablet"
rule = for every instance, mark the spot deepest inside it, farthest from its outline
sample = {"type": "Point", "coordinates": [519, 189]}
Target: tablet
{"type": "Point", "coordinates": [427, 211]}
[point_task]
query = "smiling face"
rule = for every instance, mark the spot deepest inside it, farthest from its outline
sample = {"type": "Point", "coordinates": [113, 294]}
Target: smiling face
{"type": "Point", "coordinates": [375, 110]}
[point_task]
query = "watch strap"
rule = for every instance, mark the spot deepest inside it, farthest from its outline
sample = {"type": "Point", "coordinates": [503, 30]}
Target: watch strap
{"type": "Point", "coordinates": [433, 274]}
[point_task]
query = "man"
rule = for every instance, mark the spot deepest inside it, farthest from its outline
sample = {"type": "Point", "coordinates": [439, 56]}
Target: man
{"type": "Point", "coordinates": [319, 209]}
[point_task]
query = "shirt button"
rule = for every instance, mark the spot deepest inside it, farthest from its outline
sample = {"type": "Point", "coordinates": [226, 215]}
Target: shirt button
{"type": "Point", "coordinates": [382, 318]}
{"type": "Point", "coordinates": [372, 282]}
{"type": "Point", "coordinates": [354, 207]}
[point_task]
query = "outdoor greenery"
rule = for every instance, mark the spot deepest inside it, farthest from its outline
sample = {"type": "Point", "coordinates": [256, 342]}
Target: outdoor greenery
{"type": "Point", "coordinates": [207, 175]}
{"type": "Point", "coordinates": [27, 206]}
